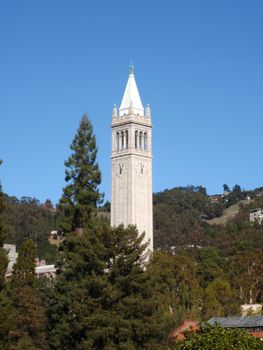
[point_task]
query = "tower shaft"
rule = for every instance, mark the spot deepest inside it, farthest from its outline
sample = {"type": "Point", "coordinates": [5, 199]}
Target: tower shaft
{"type": "Point", "coordinates": [131, 189]}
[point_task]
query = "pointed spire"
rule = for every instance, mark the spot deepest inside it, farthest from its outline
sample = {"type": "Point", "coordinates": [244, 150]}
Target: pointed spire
{"type": "Point", "coordinates": [148, 111]}
{"type": "Point", "coordinates": [131, 94]}
{"type": "Point", "coordinates": [115, 112]}
{"type": "Point", "coordinates": [131, 111]}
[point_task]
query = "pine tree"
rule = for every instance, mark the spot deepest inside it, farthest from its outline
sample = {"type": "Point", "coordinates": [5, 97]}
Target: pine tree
{"type": "Point", "coordinates": [3, 256]}
{"type": "Point", "coordinates": [6, 309]}
{"type": "Point", "coordinates": [81, 195]}
{"type": "Point", "coordinates": [131, 317]}
{"type": "Point", "coordinates": [78, 288]}
{"type": "Point", "coordinates": [30, 316]}
{"type": "Point", "coordinates": [103, 296]}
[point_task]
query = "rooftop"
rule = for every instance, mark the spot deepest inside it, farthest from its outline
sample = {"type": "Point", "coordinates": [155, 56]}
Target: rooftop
{"type": "Point", "coordinates": [238, 321]}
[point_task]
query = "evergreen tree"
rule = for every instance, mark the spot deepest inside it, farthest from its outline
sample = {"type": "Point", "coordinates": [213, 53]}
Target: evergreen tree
{"type": "Point", "coordinates": [30, 316]}
{"type": "Point", "coordinates": [3, 256]}
{"type": "Point", "coordinates": [6, 310]}
{"type": "Point", "coordinates": [103, 296]}
{"type": "Point", "coordinates": [81, 195]}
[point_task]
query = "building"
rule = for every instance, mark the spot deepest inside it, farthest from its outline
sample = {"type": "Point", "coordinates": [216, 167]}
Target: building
{"type": "Point", "coordinates": [131, 188]}
{"type": "Point", "coordinates": [253, 325]}
{"type": "Point", "coordinates": [11, 255]}
{"type": "Point", "coordinates": [42, 270]}
{"type": "Point", "coordinates": [256, 215]}
{"type": "Point", "coordinates": [48, 271]}
{"type": "Point", "coordinates": [251, 309]}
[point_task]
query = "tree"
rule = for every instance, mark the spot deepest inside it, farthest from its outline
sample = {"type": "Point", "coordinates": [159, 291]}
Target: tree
{"type": "Point", "coordinates": [210, 265]}
{"type": "Point", "coordinates": [236, 189]}
{"type": "Point", "coordinates": [177, 285]}
{"type": "Point", "coordinates": [25, 219]}
{"type": "Point", "coordinates": [3, 256]}
{"type": "Point", "coordinates": [226, 188]}
{"type": "Point", "coordinates": [219, 299]}
{"type": "Point", "coordinates": [246, 275]}
{"type": "Point", "coordinates": [6, 310]}
{"type": "Point", "coordinates": [103, 296]}
{"type": "Point", "coordinates": [81, 195]}
{"type": "Point", "coordinates": [30, 323]}
{"type": "Point", "coordinates": [217, 338]}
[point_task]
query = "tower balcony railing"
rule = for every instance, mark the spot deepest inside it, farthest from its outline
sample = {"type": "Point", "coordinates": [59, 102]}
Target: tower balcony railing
{"type": "Point", "coordinates": [130, 150]}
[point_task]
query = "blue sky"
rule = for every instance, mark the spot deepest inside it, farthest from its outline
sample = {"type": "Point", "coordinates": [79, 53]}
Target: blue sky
{"type": "Point", "coordinates": [198, 63]}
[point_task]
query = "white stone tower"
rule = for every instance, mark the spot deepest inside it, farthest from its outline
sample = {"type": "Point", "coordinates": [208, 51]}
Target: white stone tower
{"type": "Point", "coordinates": [131, 186]}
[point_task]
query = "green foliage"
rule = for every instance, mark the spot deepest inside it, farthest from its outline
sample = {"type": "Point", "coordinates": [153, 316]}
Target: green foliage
{"type": "Point", "coordinates": [27, 219]}
{"type": "Point", "coordinates": [217, 338]}
{"type": "Point", "coordinates": [219, 299]}
{"type": "Point", "coordinates": [103, 296]}
{"type": "Point", "coordinates": [245, 273]}
{"type": "Point", "coordinates": [177, 285]}
{"type": "Point", "coordinates": [7, 318]}
{"type": "Point", "coordinates": [179, 214]}
{"type": "Point", "coordinates": [81, 195]}
{"type": "Point", "coordinates": [3, 257]}
{"type": "Point", "coordinates": [230, 254]}
{"type": "Point", "coordinates": [24, 269]}
{"type": "Point", "coordinates": [210, 265]}
{"type": "Point", "coordinates": [29, 327]}
{"type": "Point", "coordinates": [226, 188]}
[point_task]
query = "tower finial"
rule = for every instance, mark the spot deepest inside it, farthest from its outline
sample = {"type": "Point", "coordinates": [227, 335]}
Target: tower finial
{"type": "Point", "coordinates": [131, 70]}
{"type": "Point", "coordinates": [148, 111]}
{"type": "Point", "coordinates": [115, 111]}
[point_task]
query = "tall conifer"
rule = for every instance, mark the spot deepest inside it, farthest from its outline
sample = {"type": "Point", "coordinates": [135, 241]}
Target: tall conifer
{"type": "Point", "coordinates": [3, 257]}
{"type": "Point", "coordinates": [104, 297]}
{"type": "Point", "coordinates": [81, 194]}
{"type": "Point", "coordinates": [30, 315]}
{"type": "Point", "coordinates": [6, 310]}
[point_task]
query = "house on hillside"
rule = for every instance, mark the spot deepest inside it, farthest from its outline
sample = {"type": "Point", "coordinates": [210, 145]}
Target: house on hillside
{"type": "Point", "coordinates": [256, 214]}
{"type": "Point", "coordinates": [11, 255]}
{"type": "Point", "coordinates": [42, 270]}
{"type": "Point", "coordinates": [253, 325]}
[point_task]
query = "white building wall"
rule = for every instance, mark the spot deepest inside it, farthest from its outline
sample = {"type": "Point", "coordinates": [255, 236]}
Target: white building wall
{"type": "Point", "coordinates": [131, 201]}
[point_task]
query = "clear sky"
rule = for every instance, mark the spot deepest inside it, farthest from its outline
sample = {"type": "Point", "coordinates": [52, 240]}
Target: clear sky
{"type": "Point", "coordinates": [198, 63]}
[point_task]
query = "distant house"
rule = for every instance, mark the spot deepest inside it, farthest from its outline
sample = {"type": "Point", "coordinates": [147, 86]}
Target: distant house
{"type": "Point", "coordinates": [256, 214]}
{"type": "Point", "coordinates": [215, 198]}
{"type": "Point", "coordinates": [11, 255]}
{"type": "Point", "coordinates": [253, 325]}
{"type": "Point", "coordinates": [48, 271]}
{"type": "Point", "coordinates": [251, 309]}
{"type": "Point", "coordinates": [42, 270]}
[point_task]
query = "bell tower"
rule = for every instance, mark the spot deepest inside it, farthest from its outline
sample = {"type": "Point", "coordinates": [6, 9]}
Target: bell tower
{"type": "Point", "coordinates": [131, 157]}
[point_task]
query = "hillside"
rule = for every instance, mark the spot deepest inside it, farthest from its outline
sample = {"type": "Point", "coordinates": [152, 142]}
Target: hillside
{"type": "Point", "coordinates": [204, 269]}
{"type": "Point", "coordinates": [188, 217]}
{"type": "Point", "coordinates": [229, 213]}
{"type": "Point", "coordinates": [28, 218]}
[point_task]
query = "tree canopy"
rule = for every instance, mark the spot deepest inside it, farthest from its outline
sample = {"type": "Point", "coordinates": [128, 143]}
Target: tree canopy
{"type": "Point", "coordinates": [217, 338]}
{"type": "Point", "coordinates": [81, 194]}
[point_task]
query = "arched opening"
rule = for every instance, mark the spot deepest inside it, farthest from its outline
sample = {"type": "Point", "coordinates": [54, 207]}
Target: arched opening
{"type": "Point", "coordinates": [145, 141]}
{"type": "Point", "coordinates": [126, 139]}
{"type": "Point", "coordinates": [136, 139]}
{"type": "Point", "coordinates": [140, 140]}
{"type": "Point", "coordinates": [117, 141]}
{"type": "Point", "coordinates": [122, 140]}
